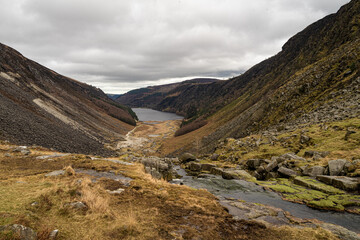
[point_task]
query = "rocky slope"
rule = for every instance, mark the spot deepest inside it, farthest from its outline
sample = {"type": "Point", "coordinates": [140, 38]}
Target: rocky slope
{"type": "Point", "coordinates": [159, 97]}
{"type": "Point", "coordinates": [39, 106]}
{"type": "Point", "coordinates": [315, 78]}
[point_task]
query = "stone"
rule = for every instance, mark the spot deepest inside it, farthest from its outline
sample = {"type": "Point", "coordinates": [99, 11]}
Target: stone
{"type": "Point", "coordinates": [207, 166]}
{"type": "Point", "coordinates": [340, 232]}
{"type": "Point", "coordinates": [55, 173]}
{"type": "Point", "coordinates": [292, 156]}
{"type": "Point", "coordinates": [271, 166]}
{"type": "Point", "coordinates": [236, 174]}
{"type": "Point", "coordinates": [7, 155]}
{"type": "Point", "coordinates": [214, 157]}
{"type": "Point", "coordinates": [304, 139]}
{"type": "Point", "coordinates": [216, 171]}
{"type": "Point", "coordinates": [195, 167]}
{"type": "Point", "coordinates": [78, 205]}
{"type": "Point", "coordinates": [287, 172]}
{"type": "Point", "coordinates": [187, 157]}
{"type": "Point", "coordinates": [254, 163]}
{"type": "Point", "coordinates": [342, 182]}
{"type": "Point", "coordinates": [117, 191]}
{"type": "Point", "coordinates": [53, 235]}
{"type": "Point", "coordinates": [314, 171]}
{"type": "Point", "coordinates": [271, 175]}
{"type": "Point", "coordinates": [261, 170]}
{"type": "Point", "coordinates": [315, 154]}
{"type": "Point", "coordinates": [25, 233]}
{"type": "Point", "coordinates": [336, 166]}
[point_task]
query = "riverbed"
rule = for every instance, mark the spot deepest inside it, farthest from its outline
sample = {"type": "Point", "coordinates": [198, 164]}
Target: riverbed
{"type": "Point", "coordinates": [251, 192]}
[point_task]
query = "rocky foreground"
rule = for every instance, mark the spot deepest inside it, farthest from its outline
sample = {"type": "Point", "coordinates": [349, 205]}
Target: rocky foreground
{"type": "Point", "coordinates": [50, 195]}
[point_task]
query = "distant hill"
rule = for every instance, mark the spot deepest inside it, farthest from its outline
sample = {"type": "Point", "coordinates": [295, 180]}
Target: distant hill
{"type": "Point", "coordinates": [39, 106]}
{"type": "Point", "coordinates": [113, 96]}
{"type": "Point", "coordinates": [155, 96]}
{"type": "Point", "coordinates": [315, 78]}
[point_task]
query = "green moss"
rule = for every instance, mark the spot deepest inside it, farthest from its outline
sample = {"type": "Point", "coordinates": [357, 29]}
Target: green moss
{"type": "Point", "coordinates": [325, 204]}
{"type": "Point", "coordinates": [316, 185]}
{"type": "Point", "coordinates": [283, 189]}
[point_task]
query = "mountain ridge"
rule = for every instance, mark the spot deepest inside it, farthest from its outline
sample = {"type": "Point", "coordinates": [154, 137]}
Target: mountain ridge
{"type": "Point", "coordinates": [39, 106]}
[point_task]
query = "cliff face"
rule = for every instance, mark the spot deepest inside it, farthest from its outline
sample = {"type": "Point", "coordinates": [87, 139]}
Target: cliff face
{"type": "Point", "coordinates": [39, 106]}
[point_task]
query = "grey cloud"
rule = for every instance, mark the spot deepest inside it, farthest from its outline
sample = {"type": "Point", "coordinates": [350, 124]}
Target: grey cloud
{"type": "Point", "coordinates": [120, 45]}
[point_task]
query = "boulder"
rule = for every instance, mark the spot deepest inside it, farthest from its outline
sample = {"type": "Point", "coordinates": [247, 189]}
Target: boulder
{"type": "Point", "coordinates": [236, 174]}
{"type": "Point", "coordinates": [195, 167]}
{"type": "Point", "coordinates": [315, 154]}
{"type": "Point", "coordinates": [187, 157]}
{"type": "Point", "coordinates": [271, 166]}
{"type": "Point", "coordinates": [342, 182]}
{"type": "Point", "coordinates": [287, 172]}
{"type": "Point", "coordinates": [336, 166]}
{"type": "Point", "coordinates": [292, 156]}
{"type": "Point", "coordinates": [271, 175]}
{"type": "Point", "coordinates": [24, 233]}
{"type": "Point", "coordinates": [216, 171]}
{"type": "Point", "coordinates": [314, 171]}
{"type": "Point", "coordinates": [207, 166]}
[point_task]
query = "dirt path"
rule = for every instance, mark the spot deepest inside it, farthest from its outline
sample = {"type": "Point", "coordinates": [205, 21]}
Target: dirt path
{"type": "Point", "coordinates": [147, 137]}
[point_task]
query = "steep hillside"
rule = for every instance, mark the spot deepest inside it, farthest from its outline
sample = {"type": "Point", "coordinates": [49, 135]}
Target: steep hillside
{"type": "Point", "coordinates": [39, 106]}
{"type": "Point", "coordinates": [155, 96]}
{"type": "Point", "coordinates": [314, 78]}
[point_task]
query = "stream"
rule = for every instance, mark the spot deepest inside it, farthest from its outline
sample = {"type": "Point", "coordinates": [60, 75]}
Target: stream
{"type": "Point", "coordinates": [250, 192]}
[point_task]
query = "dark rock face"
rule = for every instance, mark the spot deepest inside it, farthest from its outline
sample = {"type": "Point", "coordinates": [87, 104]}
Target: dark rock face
{"type": "Point", "coordinates": [41, 107]}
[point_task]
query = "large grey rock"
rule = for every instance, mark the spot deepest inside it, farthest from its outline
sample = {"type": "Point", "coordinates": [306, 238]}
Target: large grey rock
{"type": "Point", "coordinates": [287, 172]}
{"type": "Point", "coordinates": [314, 171]}
{"type": "Point", "coordinates": [336, 166]}
{"type": "Point", "coordinates": [236, 174]}
{"type": "Point", "coordinates": [340, 232]}
{"type": "Point", "coordinates": [25, 233]}
{"type": "Point", "coordinates": [342, 182]}
{"type": "Point", "coordinates": [271, 166]}
{"type": "Point", "coordinates": [187, 157]}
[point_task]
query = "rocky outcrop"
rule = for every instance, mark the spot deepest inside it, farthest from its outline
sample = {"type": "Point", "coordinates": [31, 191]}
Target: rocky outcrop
{"type": "Point", "coordinates": [159, 168]}
{"type": "Point", "coordinates": [17, 231]}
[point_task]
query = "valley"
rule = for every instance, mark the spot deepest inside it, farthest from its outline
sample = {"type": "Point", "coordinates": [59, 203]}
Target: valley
{"type": "Point", "coordinates": [273, 153]}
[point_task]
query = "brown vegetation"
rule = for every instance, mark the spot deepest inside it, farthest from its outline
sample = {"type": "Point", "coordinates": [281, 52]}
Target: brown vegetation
{"type": "Point", "coordinates": [190, 127]}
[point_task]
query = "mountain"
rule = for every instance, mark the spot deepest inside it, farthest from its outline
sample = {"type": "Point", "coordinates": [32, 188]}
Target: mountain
{"type": "Point", "coordinates": [39, 106]}
{"type": "Point", "coordinates": [158, 97]}
{"type": "Point", "coordinates": [314, 78]}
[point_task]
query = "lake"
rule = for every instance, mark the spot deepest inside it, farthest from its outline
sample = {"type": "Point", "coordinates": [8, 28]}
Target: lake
{"type": "Point", "coordinates": [146, 114]}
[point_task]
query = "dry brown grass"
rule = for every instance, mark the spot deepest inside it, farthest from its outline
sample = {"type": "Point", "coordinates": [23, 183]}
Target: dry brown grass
{"type": "Point", "coordinates": [94, 197]}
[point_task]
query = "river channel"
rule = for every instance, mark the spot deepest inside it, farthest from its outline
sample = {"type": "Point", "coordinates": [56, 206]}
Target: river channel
{"type": "Point", "coordinates": [250, 192]}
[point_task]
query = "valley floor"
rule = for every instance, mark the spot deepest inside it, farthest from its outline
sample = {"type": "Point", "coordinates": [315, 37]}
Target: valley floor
{"type": "Point", "coordinates": [90, 197]}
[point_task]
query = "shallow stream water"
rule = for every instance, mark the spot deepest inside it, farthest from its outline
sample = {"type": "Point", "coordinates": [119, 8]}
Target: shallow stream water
{"type": "Point", "coordinates": [250, 192]}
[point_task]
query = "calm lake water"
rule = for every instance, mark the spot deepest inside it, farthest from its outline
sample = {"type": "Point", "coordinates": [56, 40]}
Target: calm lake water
{"type": "Point", "coordinates": [145, 114]}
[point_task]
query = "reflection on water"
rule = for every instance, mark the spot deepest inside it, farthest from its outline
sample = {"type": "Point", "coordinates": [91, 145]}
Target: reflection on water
{"type": "Point", "coordinates": [145, 114]}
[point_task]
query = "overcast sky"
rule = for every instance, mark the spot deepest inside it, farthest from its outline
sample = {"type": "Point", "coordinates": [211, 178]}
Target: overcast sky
{"type": "Point", "coordinates": [119, 45]}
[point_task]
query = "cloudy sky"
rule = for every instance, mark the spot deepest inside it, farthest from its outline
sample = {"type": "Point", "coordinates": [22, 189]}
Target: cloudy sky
{"type": "Point", "coordinates": [119, 45]}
